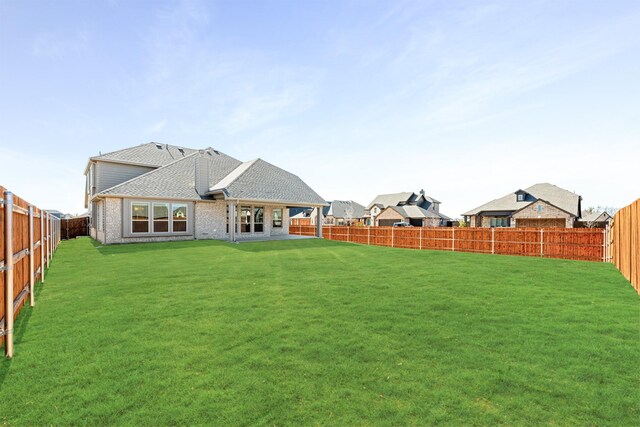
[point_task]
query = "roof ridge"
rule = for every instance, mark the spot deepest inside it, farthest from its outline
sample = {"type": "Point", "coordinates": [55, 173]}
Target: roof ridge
{"type": "Point", "coordinates": [149, 173]}
{"type": "Point", "coordinates": [230, 179]}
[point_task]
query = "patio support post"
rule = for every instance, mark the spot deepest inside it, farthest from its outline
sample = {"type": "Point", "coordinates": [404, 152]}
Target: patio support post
{"type": "Point", "coordinates": [232, 222]}
{"type": "Point", "coordinates": [319, 222]}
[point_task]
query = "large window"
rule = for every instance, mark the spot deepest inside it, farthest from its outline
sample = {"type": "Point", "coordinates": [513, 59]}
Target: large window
{"type": "Point", "coordinates": [258, 219]}
{"type": "Point", "coordinates": [161, 217]}
{"type": "Point", "coordinates": [499, 222]}
{"type": "Point", "coordinates": [140, 217]}
{"type": "Point", "coordinates": [245, 219]}
{"type": "Point", "coordinates": [277, 218]}
{"type": "Point", "coordinates": [179, 217]}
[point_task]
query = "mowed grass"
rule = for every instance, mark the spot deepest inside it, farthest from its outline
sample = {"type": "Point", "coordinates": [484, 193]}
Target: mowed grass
{"type": "Point", "coordinates": [315, 332]}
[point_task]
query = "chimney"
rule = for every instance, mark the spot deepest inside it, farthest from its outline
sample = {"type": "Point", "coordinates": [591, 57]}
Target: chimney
{"type": "Point", "coordinates": [202, 173]}
{"type": "Point", "coordinates": [422, 192]}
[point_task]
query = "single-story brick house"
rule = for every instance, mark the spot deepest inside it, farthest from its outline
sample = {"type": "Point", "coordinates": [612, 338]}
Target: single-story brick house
{"type": "Point", "coordinates": [343, 212]}
{"type": "Point", "coordinates": [539, 206]}
{"type": "Point", "coordinates": [159, 192]}
{"type": "Point", "coordinates": [594, 220]}
{"type": "Point", "coordinates": [417, 209]}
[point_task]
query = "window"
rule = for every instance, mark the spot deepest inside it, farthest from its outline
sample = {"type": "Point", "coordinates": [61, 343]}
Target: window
{"type": "Point", "coordinates": [520, 197]}
{"type": "Point", "coordinates": [245, 219]}
{"type": "Point", "coordinates": [499, 222]}
{"type": "Point", "coordinates": [258, 219]}
{"type": "Point", "coordinates": [179, 217]}
{"type": "Point", "coordinates": [277, 218]}
{"type": "Point", "coordinates": [160, 217]}
{"type": "Point", "coordinates": [140, 217]}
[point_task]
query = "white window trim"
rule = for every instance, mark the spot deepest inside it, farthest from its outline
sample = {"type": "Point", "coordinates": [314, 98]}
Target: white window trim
{"type": "Point", "coordinates": [128, 213]}
{"type": "Point", "coordinates": [281, 218]}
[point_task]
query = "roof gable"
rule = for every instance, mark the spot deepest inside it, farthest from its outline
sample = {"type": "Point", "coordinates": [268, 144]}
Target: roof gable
{"type": "Point", "coordinates": [262, 181]}
{"type": "Point", "coordinates": [559, 197]}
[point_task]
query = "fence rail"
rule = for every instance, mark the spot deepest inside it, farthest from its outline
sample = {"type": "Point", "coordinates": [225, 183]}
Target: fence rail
{"type": "Point", "coordinates": [625, 243]}
{"type": "Point", "coordinates": [28, 238]}
{"type": "Point", "coordinates": [567, 243]}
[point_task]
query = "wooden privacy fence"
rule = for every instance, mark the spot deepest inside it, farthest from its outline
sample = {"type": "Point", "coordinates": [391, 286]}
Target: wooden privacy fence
{"type": "Point", "coordinates": [28, 238]}
{"type": "Point", "coordinates": [625, 243]}
{"type": "Point", "coordinates": [567, 243]}
{"type": "Point", "coordinates": [74, 227]}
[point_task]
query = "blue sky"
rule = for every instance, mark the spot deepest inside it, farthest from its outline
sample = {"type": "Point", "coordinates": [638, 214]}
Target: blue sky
{"type": "Point", "coordinates": [468, 100]}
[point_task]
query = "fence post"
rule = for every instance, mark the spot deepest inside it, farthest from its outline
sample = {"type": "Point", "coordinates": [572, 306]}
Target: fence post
{"type": "Point", "coordinates": [392, 237]}
{"type": "Point", "coordinates": [604, 244]}
{"type": "Point", "coordinates": [369, 235]}
{"type": "Point", "coordinates": [8, 274]}
{"type": "Point", "coordinates": [41, 246]}
{"type": "Point", "coordinates": [542, 242]}
{"type": "Point", "coordinates": [348, 234]}
{"type": "Point", "coordinates": [420, 238]}
{"type": "Point", "coordinates": [31, 259]}
{"type": "Point", "coordinates": [453, 239]}
{"type": "Point", "coordinates": [48, 240]}
{"type": "Point", "coordinates": [493, 240]}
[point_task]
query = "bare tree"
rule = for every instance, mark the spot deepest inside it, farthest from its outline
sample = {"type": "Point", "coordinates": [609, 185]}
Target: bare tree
{"type": "Point", "coordinates": [348, 215]}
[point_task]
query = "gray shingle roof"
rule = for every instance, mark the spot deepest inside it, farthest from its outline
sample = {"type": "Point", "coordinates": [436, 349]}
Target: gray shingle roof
{"type": "Point", "coordinates": [413, 211]}
{"type": "Point", "coordinates": [561, 198]}
{"type": "Point", "coordinates": [338, 209]}
{"type": "Point", "coordinates": [390, 199]}
{"type": "Point", "coordinates": [175, 180]}
{"type": "Point", "coordinates": [260, 180]}
{"type": "Point", "coordinates": [595, 216]}
{"type": "Point", "coordinates": [150, 154]}
{"type": "Point", "coordinates": [175, 177]}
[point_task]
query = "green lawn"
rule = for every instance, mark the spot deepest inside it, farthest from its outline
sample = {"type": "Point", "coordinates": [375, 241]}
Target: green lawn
{"type": "Point", "coordinates": [314, 332]}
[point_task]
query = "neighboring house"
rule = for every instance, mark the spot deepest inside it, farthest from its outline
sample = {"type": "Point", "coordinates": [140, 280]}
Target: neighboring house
{"type": "Point", "coordinates": [417, 209]}
{"type": "Point", "coordinates": [303, 217]}
{"type": "Point", "coordinates": [539, 206]}
{"type": "Point", "coordinates": [158, 192]}
{"type": "Point", "coordinates": [55, 213]}
{"type": "Point", "coordinates": [343, 212]}
{"type": "Point", "coordinates": [594, 220]}
{"type": "Point", "coordinates": [339, 212]}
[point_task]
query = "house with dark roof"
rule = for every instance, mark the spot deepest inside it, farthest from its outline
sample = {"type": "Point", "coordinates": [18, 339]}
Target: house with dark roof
{"type": "Point", "coordinates": [159, 192]}
{"type": "Point", "coordinates": [539, 206]}
{"type": "Point", "coordinates": [417, 209]}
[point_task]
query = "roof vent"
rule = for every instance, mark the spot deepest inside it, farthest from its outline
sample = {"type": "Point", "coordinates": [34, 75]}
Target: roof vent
{"type": "Point", "coordinates": [158, 146]}
{"type": "Point", "coordinates": [217, 152]}
{"type": "Point", "coordinates": [209, 153]}
{"type": "Point", "coordinates": [181, 150]}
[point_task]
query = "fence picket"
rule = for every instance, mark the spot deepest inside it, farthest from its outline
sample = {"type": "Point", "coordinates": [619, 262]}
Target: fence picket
{"type": "Point", "coordinates": [23, 258]}
{"type": "Point", "coordinates": [579, 244]}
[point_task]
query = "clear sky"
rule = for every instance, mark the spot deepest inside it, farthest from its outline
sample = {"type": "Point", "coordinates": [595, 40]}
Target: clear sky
{"type": "Point", "coordinates": [468, 100]}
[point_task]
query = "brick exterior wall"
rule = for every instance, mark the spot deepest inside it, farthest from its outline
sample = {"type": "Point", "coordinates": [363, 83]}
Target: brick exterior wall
{"type": "Point", "coordinates": [388, 214]}
{"type": "Point", "coordinates": [431, 222]}
{"type": "Point", "coordinates": [547, 211]}
{"type": "Point", "coordinates": [210, 222]}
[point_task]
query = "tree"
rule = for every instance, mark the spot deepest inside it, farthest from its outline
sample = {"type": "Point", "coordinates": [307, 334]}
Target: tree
{"type": "Point", "coordinates": [348, 215]}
